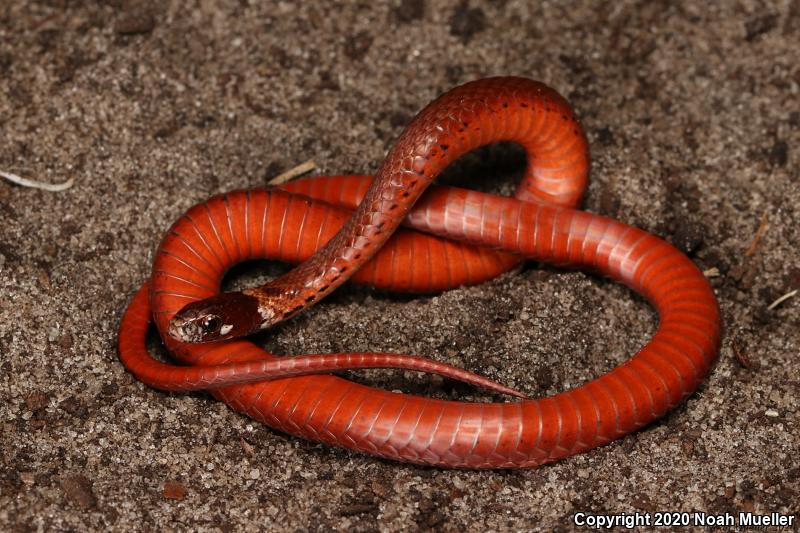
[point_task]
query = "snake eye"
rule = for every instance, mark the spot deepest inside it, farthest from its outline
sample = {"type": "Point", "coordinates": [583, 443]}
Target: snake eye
{"type": "Point", "coordinates": [209, 324]}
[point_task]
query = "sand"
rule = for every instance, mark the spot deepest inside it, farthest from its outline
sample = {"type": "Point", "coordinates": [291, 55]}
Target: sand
{"type": "Point", "coordinates": [693, 115]}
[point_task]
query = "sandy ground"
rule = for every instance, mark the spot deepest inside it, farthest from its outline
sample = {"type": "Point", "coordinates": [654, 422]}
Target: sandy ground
{"type": "Point", "coordinates": [693, 115]}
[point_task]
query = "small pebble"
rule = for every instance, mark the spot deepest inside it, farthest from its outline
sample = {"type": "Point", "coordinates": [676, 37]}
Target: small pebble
{"type": "Point", "coordinates": [78, 491]}
{"type": "Point", "coordinates": [174, 490]}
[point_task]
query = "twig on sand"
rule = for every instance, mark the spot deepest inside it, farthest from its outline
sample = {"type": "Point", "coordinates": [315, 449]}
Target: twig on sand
{"type": "Point", "coordinates": [291, 174]}
{"type": "Point", "coordinates": [24, 182]}
{"type": "Point", "coordinates": [782, 299]}
{"type": "Point", "coordinates": [762, 226]}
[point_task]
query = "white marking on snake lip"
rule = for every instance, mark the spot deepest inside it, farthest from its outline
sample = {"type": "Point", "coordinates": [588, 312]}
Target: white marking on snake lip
{"type": "Point", "coordinates": [224, 330]}
{"type": "Point", "coordinates": [266, 313]}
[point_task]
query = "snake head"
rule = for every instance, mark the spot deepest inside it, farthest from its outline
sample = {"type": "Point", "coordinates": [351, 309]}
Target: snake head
{"type": "Point", "coordinates": [220, 317]}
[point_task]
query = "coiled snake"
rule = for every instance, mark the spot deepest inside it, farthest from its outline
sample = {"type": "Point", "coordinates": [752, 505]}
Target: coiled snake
{"type": "Point", "coordinates": [473, 236]}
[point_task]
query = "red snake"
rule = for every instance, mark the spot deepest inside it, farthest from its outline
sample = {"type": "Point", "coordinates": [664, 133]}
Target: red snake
{"type": "Point", "coordinates": [311, 221]}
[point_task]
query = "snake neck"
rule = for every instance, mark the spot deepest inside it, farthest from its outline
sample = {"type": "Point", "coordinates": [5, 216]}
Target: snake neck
{"type": "Point", "coordinates": [465, 118]}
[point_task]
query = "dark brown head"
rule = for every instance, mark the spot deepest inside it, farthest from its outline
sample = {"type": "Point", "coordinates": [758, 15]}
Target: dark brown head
{"type": "Point", "coordinates": [220, 317]}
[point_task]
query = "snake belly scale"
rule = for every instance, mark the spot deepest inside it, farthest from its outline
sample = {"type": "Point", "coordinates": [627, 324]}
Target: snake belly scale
{"type": "Point", "coordinates": [344, 226]}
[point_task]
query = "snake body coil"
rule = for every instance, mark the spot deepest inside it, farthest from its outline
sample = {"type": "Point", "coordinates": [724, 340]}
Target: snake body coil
{"type": "Point", "coordinates": [311, 221]}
